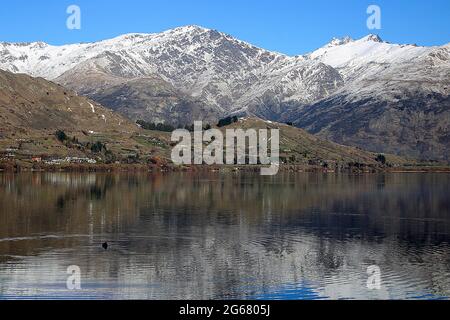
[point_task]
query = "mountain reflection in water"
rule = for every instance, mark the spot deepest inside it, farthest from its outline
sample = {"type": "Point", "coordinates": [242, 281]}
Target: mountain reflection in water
{"type": "Point", "coordinates": [224, 236]}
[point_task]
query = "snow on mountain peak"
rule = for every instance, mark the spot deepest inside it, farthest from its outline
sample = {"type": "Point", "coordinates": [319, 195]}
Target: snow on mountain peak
{"type": "Point", "coordinates": [370, 49]}
{"type": "Point", "coordinates": [372, 37]}
{"type": "Point", "coordinates": [335, 42]}
{"type": "Point", "coordinates": [210, 65]}
{"type": "Point", "coordinates": [190, 28]}
{"type": "Point", "coordinates": [339, 41]}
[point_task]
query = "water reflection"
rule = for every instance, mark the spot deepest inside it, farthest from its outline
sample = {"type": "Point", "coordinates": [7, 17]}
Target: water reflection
{"type": "Point", "coordinates": [202, 236]}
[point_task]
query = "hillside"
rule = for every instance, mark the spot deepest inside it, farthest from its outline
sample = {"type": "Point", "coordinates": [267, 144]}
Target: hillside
{"type": "Point", "coordinates": [300, 147]}
{"type": "Point", "coordinates": [36, 104]}
{"type": "Point", "coordinates": [33, 110]}
{"type": "Point", "coordinates": [148, 98]}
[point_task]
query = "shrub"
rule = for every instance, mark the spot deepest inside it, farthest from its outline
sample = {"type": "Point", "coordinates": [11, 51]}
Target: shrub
{"type": "Point", "coordinates": [110, 157]}
{"type": "Point", "coordinates": [227, 121]}
{"type": "Point", "coordinates": [61, 135]}
{"type": "Point", "coordinates": [381, 158]}
{"type": "Point", "coordinates": [155, 127]}
{"type": "Point", "coordinates": [97, 147]}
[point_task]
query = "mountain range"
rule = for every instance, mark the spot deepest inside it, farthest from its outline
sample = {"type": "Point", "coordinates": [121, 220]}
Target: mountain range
{"type": "Point", "coordinates": [366, 93]}
{"type": "Point", "coordinates": [43, 120]}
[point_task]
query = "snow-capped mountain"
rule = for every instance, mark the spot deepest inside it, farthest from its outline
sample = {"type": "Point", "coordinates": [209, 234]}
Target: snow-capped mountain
{"type": "Point", "coordinates": [224, 72]}
{"type": "Point", "coordinates": [194, 71]}
{"type": "Point", "coordinates": [395, 98]}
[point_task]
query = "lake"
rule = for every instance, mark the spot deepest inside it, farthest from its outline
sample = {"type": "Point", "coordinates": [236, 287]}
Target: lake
{"type": "Point", "coordinates": [224, 235]}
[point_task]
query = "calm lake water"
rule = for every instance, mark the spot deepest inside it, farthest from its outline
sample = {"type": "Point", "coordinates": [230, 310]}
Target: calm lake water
{"type": "Point", "coordinates": [224, 236]}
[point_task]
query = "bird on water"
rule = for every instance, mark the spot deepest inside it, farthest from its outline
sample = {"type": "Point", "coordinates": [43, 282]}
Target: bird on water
{"type": "Point", "coordinates": [105, 246]}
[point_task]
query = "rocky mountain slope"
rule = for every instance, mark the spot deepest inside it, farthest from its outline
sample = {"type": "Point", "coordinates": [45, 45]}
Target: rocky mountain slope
{"type": "Point", "coordinates": [147, 98]}
{"type": "Point", "coordinates": [384, 97]}
{"type": "Point", "coordinates": [396, 99]}
{"type": "Point", "coordinates": [29, 103]}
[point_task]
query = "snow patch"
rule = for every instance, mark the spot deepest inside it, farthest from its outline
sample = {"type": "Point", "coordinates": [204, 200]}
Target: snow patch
{"type": "Point", "coordinates": [92, 107]}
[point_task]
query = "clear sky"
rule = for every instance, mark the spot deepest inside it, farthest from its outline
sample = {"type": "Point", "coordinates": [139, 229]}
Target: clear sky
{"type": "Point", "coordinates": [288, 26]}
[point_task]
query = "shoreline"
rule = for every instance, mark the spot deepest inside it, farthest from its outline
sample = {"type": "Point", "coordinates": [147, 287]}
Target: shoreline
{"type": "Point", "coordinates": [106, 168]}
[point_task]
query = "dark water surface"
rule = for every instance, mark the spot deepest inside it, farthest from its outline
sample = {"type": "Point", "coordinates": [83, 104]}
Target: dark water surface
{"type": "Point", "coordinates": [230, 236]}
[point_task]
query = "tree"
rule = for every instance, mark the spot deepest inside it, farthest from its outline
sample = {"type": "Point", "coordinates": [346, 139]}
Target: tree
{"type": "Point", "coordinates": [155, 127]}
{"type": "Point", "coordinates": [97, 147]}
{"type": "Point", "coordinates": [227, 121]}
{"type": "Point", "coordinates": [61, 135]}
{"type": "Point", "coordinates": [381, 158]}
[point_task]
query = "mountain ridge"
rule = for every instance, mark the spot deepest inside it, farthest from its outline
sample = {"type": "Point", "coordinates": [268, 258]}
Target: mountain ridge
{"type": "Point", "coordinates": [211, 75]}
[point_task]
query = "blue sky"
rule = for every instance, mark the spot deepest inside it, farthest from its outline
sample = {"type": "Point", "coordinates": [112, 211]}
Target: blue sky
{"type": "Point", "coordinates": [288, 26]}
